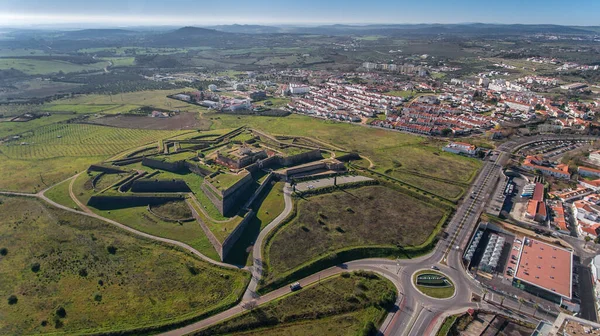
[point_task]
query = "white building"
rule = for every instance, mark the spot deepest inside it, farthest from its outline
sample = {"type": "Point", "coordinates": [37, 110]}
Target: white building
{"type": "Point", "coordinates": [595, 157]}
{"type": "Point", "coordinates": [299, 89]}
{"type": "Point", "coordinates": [460, 148]}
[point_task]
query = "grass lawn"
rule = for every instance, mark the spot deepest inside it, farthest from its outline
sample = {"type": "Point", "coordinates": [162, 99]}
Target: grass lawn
{"type": "Point", "coordinates": [447, 325]}
{"type": "Point", "coordinates": [106, 280]}
{"type": "Point", "coordinates": [438, 293]}
{"type": "Point", "coordinates": [173, 210]}
{"type": "Point", "coordinates": [443, 189]}
{"type": "Point", "coordinates": [366, 216]}
{"type": "Point", "coordinates": [35, 175]}
{"type": "Point", "coordinates": [106, 180]}
{"type": "Point", "coordinates": [140, 219]}
{"type": "Point", "coordinates": [403, 94]}
{"type": "Point", "coordinates": [60, 195]}
{"type": "Point", "coordinates": [224, 181]}
{"type": "Point", "coordinates": [341, 305]}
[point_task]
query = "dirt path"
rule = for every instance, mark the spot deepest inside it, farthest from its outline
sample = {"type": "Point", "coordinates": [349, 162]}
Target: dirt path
{"type": "Point", "coordinates": [87, 212]}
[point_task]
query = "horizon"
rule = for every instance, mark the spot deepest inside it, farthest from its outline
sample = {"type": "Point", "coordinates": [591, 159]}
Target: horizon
{"type": "Point", "coordinates": [86, 25]}
{"type": "Point", "coordinates": [20, 13]}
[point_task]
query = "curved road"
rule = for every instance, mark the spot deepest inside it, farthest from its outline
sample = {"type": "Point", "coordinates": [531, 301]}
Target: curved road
{"type": "Point", "coordinates": [415, 314]}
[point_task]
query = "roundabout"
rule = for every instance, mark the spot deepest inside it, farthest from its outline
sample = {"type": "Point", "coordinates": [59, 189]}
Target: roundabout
{"type": "Point", "coordinates": [434, 284]}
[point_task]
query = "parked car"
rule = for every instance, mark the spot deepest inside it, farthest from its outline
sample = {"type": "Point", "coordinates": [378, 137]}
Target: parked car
{"type": "Point", "coordinates": [435, 268]}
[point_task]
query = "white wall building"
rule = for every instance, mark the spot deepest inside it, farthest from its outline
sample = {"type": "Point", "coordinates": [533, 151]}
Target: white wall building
{"type": "Point", "coordinates": [299, 89]}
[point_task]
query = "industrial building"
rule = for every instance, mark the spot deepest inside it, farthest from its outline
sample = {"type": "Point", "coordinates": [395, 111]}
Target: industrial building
{"type": "Point", "coordinates": [544, 270]}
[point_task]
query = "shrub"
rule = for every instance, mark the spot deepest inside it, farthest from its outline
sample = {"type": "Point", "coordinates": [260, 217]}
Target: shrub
{"type": "Point", "coordinates": [61, 312]}
{"type": "Point", "coordinates": [339, 229]}
{"type": "Point", "coordinates": [111, 249]}
{"type": "Point", "coordinates": [97, 297]}
{"type": "Point", "coordinates": [83, 272]}
{"type": "Point", "coordinates": [100, 282]}
{"type": "Point", "coordinates": [304, 228]}
{"type": "Point", "coordinates": [12, 300]}
{"type": "Point", "coordinates": [192, 269]}
{"type": "Point", "coordinates": [351, 298]}
{"type": "Point", "coordinates": [3, 251]}
{"type": "Point", "coordinates": [35, 267]}
{"type": "Point", "coordinates": [44, 323]}
{"type": "Point", "coordinates": [369, 329]}
{"type": "Point", "coordinates": [345, 275]}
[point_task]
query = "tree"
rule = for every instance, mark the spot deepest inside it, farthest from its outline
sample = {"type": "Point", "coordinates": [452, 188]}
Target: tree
{"type": "Point", "coordinates": [485, 291]}
{"type": "Point", "coordinates": [587, 240]}
{"type": "Point", "coordinates": [446, 132]}
{"type": "Point", "coordinates": [12, 300]}
{"type": "Point", "coordinates": [521, 301]}
{"type": "Point", "coordinates": [61, 312]}
{"type": "Point", "coordinates": [502, 301]}
{"type": "Point", "coordinates": [535, 308]}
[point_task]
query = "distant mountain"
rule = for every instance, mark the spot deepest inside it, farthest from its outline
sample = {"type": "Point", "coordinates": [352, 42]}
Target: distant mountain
{"type": "Point", "coordinates": [192, 36]}
{"type": "Point", "coordinates": [249, 29]}
{"type": "Point", "coordinates": [98, 33]}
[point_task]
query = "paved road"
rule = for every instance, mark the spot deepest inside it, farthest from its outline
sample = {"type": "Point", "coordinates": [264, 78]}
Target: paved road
{"type": "Point", "coordinates": [416, 314]}
{"type": "Point", "coordinates": [257, 267]}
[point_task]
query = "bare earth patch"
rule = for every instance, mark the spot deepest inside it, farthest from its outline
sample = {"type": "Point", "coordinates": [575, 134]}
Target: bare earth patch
{"type": "Point", "coordinates": [181, 121]}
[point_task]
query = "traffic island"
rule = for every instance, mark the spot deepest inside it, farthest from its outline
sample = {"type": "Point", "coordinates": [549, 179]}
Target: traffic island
{"type": "Point", "coordinates": [433, 284]}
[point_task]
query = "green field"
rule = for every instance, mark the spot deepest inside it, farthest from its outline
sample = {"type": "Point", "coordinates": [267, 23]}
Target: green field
{"type": "Point", "coordinates": [44, 67]}
{"type": "Point", "coordinates": [438, 293]}
{"type": "Point", "coordinates": [105, 279]}
{"type": "Point", "coordinates": [79, 108]}
{"type": "Point", "coordinates": [154, 98]}
{"type": "Point", "coordinates": [60, 194]}
{"type": "Point", "coordinates": [120, 61]}
{"type": "Point", "coordinates": [78, 140]}
{"type": "Point", "coordinates": [403, 94]}
{"type": "Point", "coordinates": [224, 181]}
{"type": "Point", "coordinates": [140, 219]}
{"type": "Point", "coordinates": [39, 174]}
{"type": "Point", "coordinates": [366, 216]}
{"type": "Point", "coordinates": [341, 305]}
{"type": "Point", "coordinates": [173, 210]}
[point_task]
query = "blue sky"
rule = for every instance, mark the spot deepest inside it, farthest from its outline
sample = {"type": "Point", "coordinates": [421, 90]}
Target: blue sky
{"type": "Point", "coordinates": [202, 12]}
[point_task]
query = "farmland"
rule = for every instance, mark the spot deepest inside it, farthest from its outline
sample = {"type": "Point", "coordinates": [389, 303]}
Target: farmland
{"type": "Point", "coordinates": [324, 308]}
{"type": "Point", "coordinates": [48, 154]}
{"type": "Point", "coordinates": [42, 67]}
{"type": "Point", "coordinates": [75, 140]}
{"type": "Point", "coordinates": [105, 280]}
{"type": "Point", "coordinates": [359, 217]}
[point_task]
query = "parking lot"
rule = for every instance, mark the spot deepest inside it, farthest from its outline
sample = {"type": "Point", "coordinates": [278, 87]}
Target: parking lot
{"type": "Point", "coordinates": [552, 150]}
{"type": "Point", "coordinates": [326, 182]}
